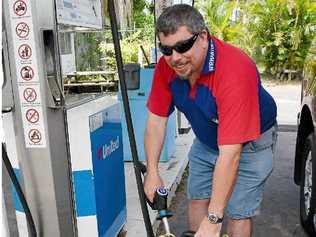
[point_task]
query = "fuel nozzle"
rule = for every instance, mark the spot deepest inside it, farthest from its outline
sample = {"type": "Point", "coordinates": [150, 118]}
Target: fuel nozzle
{"type": "Point", "coordinates": [161, 204]}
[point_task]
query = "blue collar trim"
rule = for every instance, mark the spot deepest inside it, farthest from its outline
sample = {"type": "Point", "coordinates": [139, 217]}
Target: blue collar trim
{"type": "Point", "coordinates": [209, 64]}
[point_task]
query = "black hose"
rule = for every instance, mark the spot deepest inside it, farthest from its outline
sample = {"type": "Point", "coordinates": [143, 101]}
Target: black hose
{"type": "Point", "coordinates": [19, 191]}
{"type": "Point", "coordinates": [119, 62]}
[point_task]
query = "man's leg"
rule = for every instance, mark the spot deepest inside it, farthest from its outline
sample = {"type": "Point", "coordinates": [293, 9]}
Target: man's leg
{"type": "Point", "coordinates": [201, 165]}
{"type": "Point", "coordinates": [239, 228]}
{"type": "Point", "coordinates": [197, 211]}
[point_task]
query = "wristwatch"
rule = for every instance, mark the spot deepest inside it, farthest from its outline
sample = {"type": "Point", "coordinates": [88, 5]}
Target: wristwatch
{"type": "Point", "coordinates": [214, 219]}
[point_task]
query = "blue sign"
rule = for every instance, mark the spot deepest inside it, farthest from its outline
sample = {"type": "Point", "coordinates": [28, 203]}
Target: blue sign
{"type": "Point", "coordinates": [108, 170]}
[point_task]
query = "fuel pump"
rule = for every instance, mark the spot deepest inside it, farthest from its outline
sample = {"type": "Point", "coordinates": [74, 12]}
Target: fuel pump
{"type": "Point", "coordinates": [65, 149]}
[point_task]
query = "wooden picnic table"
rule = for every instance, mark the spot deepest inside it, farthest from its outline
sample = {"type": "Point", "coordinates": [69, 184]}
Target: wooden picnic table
{"type": "Point", "coordinates": [78, 82]}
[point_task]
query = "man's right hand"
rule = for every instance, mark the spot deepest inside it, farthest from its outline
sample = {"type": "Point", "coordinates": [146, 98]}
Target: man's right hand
{"type": "Point", "coordinates": [152, 182]}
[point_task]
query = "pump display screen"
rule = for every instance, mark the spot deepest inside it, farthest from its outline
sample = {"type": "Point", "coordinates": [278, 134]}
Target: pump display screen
{"type": "Point", "coordinates": [82, 13]}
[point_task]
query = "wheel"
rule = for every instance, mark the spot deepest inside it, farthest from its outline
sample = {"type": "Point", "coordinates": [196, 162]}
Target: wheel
{"type": "Point", "coordinates": [308, 187]}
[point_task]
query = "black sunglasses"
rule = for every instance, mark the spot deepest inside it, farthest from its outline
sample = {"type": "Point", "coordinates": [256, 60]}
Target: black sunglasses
{"type": "Point", "coordinates": [180, 47]}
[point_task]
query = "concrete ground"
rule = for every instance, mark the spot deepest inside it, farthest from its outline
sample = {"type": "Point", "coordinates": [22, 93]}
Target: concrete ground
{"type": "Point", "coordinates": [172, 174]}
{"type": "Point", "coordinates": [280, 209]}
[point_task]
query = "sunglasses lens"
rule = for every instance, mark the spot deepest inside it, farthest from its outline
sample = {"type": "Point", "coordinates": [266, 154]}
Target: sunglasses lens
{"type": "Point", "coordinates": [182, 48]}
{"type": "Point", "coordinates": [165, 50]}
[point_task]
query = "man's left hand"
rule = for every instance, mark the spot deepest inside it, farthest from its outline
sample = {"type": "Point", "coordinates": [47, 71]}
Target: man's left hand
{"type": "Point", "coordinates": [208, 229]}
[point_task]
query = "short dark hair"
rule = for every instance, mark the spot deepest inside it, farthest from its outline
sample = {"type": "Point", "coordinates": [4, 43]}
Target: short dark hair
{"type": "Point", "coordinates": [180, 15]}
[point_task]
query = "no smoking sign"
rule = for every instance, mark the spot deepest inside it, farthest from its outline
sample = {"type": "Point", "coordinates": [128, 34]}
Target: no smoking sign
{"type": "Point", "coordinates": [22, 30]}
{"type": "Point", "coordinates": [32, 115]}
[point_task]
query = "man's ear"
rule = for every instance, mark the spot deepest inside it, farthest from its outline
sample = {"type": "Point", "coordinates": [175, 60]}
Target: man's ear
{"type": "Point", "coordinates": [204, 36]}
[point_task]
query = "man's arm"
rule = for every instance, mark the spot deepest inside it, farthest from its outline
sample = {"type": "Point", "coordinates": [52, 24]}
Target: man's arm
{"type": "Point", "coordinates": [154, 138]}
{"type": "Point", "coordinates": [224, 178]}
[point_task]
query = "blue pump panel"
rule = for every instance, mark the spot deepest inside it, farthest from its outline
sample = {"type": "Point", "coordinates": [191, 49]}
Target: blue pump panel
{"type": "Point", "coordinates": [108, 170]}
{"type": "Point", "coordinates": [99, 191]}
{"type": "Point", "coordinates": [137, 101]}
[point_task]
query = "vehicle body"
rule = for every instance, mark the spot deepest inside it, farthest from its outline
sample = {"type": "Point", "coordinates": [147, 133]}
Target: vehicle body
{"type": "Point", "coordinates": [305, 153]}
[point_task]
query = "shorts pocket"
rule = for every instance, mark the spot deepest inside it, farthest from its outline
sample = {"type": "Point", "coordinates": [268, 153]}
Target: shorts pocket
{"type": "Point", "coordinates": [266, 140]}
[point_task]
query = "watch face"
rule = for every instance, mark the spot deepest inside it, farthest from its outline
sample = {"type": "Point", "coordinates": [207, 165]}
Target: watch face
{"type": "Point", "coordinates": [212, 218]}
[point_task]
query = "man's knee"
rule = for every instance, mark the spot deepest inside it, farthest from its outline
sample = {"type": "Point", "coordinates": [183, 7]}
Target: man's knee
{"type": "Point", "coordinates": [197, 211]}
{"type": "Point", "coordinates": [239, 221]}
{"type": "Point", "coordinates": [198, 208]}
{"type": "Point", "coordinates": [239, 227]}
{"type": "Point", "coordinates": [199, 203]}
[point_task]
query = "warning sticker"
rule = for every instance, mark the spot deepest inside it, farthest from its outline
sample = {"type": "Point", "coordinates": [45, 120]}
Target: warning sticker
{"type": "Point", "coordinates": [25, 51]}
{"type": "Point", "coordinates": [22, 30]}
{"type": "Point", "coordinates": [20, 8]}
{"type": "Point", "coordinates": [34, 136]}
{"type": "Point", "coordinates": [29, 94]}
{"type": "Point", "coordinates": [32, 115]}
{"type": "Point", "coordinates": [27, 73]}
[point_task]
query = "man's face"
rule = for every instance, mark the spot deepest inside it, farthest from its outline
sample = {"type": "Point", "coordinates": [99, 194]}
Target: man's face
{"type": "Point", "coordinates": [188, 64]}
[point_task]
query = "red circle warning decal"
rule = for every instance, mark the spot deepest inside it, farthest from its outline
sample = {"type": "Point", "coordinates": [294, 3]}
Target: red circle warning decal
{"type": "Point", "coordinates": [25, 51]}
{"type": "Point", "coordinates": [20, 8]}
{"type": "Point", "coordinates": [22, 30]}
{"type": "Point", "coordinates": [32, 115]}
{"type": "Point", "coordinates": [35, 136]}
{"type": "Point", "coordinates": [29, 94]}
{"type": "Point", "coordinates": [27, 73]}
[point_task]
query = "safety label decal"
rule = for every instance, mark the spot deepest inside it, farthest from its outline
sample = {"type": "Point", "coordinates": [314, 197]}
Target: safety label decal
{"type": "Point", "coordinates": [34, 136]}
{"type": "Point", "coordinates": [25, 51]}
{"type": "Point", "coordinates": [27, 73]}
{"type": "Point", "coordinates": [19, 8]}
{"type": "Point", "coordinates": [29, 94]}
{"type": "Point", "coordinates": [22, 30]}
{"type": "Point", "coordinates": [32, 115]}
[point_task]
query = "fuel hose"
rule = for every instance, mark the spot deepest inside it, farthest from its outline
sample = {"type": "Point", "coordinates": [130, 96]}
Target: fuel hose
{"type": "Point", "coordinates": [19, 191]}
{"type": "Point", "coordinates": [128, 118]}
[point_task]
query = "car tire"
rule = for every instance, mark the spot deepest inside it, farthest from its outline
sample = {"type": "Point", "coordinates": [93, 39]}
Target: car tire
{"type": "Point", "coordinates": [308, 187]}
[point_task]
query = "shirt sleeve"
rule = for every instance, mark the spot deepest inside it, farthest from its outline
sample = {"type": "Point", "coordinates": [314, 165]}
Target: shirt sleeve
{"type": "Point", "coordinates": [238, 107]}
{"type": "Point", "coordinates": [160, 98]}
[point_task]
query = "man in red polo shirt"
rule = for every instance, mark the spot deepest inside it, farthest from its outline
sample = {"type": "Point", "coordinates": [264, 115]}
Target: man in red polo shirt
{"type": "Point", "coordinates": [217, 87]}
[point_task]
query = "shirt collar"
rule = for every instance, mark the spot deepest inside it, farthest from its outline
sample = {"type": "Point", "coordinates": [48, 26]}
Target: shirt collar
{"type": "Point", "coordinates": [209, 63]}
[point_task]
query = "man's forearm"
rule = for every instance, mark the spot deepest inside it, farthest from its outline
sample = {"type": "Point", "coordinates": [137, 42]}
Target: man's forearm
{"type": "Point", "coordinates": [154, 138]}
{"type": "Point", "coordinates": [224, 179]}
{"type": "Point", "coordinates": [153, 146]}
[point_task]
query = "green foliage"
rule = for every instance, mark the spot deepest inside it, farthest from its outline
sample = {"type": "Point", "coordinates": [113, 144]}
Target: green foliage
{"type": "Point", "coordinates": [88, 53]}
{"type": "Point", "coordinates": [218, 16]}
{"type": "Point", "coordinates": [131, 40]}
{"type": "Point", "coordinates": [283, 32]}
{"type": "Point", "coordinates": [95, 50]}
{"type": "Point", "coordinates": [276, 33]}
{"type": "Point", "coordinates": [143, 13]}
{"type": "Point", "coordinates": [130, 45]}
{"type": "Point", "coordinates": [142, 35]}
